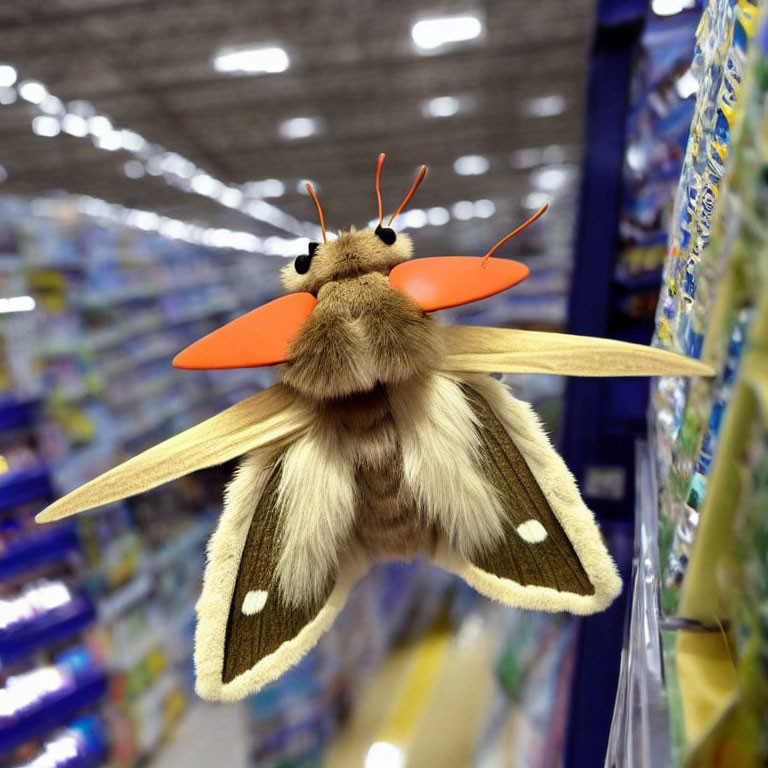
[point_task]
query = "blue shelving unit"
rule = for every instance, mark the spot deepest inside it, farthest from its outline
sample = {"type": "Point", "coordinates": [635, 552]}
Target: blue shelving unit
{"type": "Point", "coordinates": [22, 645]}
{"type": "Point", "coordinates": [23, 486]}
{"type": "Point", "coordinates": [49, 545]}
{"type": "Point", "coordinates": [17, 411]}
{"type": "Point", "coordinates": [52, 627]}
{"type": "Point", "coordinates": [593, 434]}
{"type": "Point", "coordinates": [53, 713]}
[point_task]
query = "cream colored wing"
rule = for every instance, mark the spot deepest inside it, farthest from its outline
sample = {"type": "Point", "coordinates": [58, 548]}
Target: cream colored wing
{"type": "Point", "coordinates": [268, 418]}
{"type": "Point", "coordinates": [504, 350]}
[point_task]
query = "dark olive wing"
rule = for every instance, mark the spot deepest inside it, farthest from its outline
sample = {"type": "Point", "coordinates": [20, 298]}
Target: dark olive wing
{"type": "Point", "coordinates": [248, 634]}
{"type": "Point", "coordinates": [551, 557]}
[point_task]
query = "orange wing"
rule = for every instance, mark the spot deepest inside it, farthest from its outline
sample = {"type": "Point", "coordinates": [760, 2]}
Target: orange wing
{"type": "Point", "coordinates": [449, 281]}
{"type": "Point", "coordinates": [262, 337]}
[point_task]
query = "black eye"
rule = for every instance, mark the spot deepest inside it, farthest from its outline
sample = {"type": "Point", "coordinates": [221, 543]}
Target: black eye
{"type": "Point", "coordinates": [386, 234]}
{"type": "Point", "coordinates": [303, 263]}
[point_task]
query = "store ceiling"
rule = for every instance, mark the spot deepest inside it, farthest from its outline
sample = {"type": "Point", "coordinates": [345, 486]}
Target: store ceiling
{"type": "Point", "coordinates": [147, 65]}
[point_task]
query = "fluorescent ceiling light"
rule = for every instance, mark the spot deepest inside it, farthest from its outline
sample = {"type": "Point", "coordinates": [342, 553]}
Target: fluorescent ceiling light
{"type": "Point", "coordinates": [17, 304]}
{"type": "Point", "coordinates": [251, 60]}
{"type": "Point", "coordinates": [551, 177]}
{"type": "Point", "coordinates": [265, 188]}
{"type": "Point", "coordinates": [8, 75]}
{"type": "Point", "coordinates": [154, 166]}
{"type": "Point", "coordinates": [147, 220]}
{"type": "Point", "coordinates": [440, 106]}
{"type": "Point", "coordinates": [484, 209]}
{"type": "Point", "coordinates": [52, 105]}
{"type": "Point", "coordinates": [534, 200]}
{"type": "Point", "coordinates": [132, 141]}
{"type": "Point", "coordinates": [431, 34]}
{"type": "Point", "coordinates": [109, 141]}
{"type": "Point", "coordinates": [175, 164]}
{"type": "Point", "coordinates": [471, 165]}
{"type": "Point", "coordinates": [232, 197]}
{"type": "Point", "coordinates": [206, 185]}
{"type": "Point", "coordinates": [74, 125]}
{"type": "Point", "coordinates": [43, 125]}
{"type": "Point", "coordinates": [99, 125]}
{"type": "Point", "coordinates": [33, 92]}
{"type": "Point", "coordinates": [464, 210]}
{"type": "Point", "coordinates": [153, 158]}
{"type": "Point", "coordinates": [438, 216]}
{"type": "Point", "coordinates": [299, 127]}
{"type": "Point", "coordinates": [7, 95]}
{"type": "Point", "coordinates": [415, 219]}
{"type": "Point", "coordinates": [671, 7]}
{"type": "Point", "coordinates": [301, 186]}
{"type": "Point", "coordinates": [133, 169]}
{"type": "Point", "coordinates": [545, 106]}
{"type": "Point", "coordinates": [82, 108]}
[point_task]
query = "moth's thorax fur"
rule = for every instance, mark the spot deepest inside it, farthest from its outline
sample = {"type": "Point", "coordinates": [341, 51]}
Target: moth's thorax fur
{"type": "Point", "coordinates": [362, 333]}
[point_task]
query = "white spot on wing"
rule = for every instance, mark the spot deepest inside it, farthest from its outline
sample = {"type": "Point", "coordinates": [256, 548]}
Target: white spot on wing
{"type": "Point", "coordinates": [254, 602]}
{"type": "Point", "coordinates": [531, 531]}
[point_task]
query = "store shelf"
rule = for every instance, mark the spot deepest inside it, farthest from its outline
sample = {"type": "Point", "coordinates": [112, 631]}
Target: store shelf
{"type": "Point", "coordinates": [53, 713]}
{"type": "Point", "coordinates": [640, 734]}
{"type": "Point", "coordinates": [150, 291]}
{"type": "Point", "coordinates": [98, 341]}
{"type": "Point", "coordinates": [24, 485]}
{"type": "Point", "coordinates": [15, 411]}
{"type": "Point", "coordinates": [643, 281]}
{"type": "Point", "coordinates": [49, 545]}
{"type": "Point", "coordinates": [124, 598]}
{"type": "Point", "coordinates": [45, 630]}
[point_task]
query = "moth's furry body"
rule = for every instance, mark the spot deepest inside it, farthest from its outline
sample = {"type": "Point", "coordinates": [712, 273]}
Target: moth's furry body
{"type": "Point", "coordinates": [366, 359]}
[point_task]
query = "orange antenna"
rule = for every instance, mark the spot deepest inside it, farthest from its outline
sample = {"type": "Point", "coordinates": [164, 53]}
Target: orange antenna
{"type": "Point", "coordinates": [379, 164]}
{"type": "Point", "coordinates": [414, 187]}
{"type": "Point", "coordinates": [517, 231]}
{"type": "Point", "coordinates": [319, 210]}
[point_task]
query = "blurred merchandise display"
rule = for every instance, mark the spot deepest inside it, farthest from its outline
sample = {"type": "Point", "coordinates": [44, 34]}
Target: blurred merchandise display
{"type": "Point", "coordinates": [708, 675]}
{"type": "Point", "coordinates": [661, 106]}
{"type": "Point", "coordinates": [97, 615]}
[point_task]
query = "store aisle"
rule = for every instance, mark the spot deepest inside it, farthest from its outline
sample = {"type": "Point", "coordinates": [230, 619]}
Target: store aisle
{"type": "Point", "coordinates": [402, 721]}
{"type": "Point", "coordinates": [209, 734]}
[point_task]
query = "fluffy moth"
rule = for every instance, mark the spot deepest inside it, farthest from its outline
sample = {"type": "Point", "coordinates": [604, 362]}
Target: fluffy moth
{"type": "Point", "coordinates": [385, 439]}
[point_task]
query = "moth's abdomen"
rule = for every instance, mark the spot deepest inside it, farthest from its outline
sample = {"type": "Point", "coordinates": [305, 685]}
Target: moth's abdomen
{"type": "Point", "coordinates": [387, 523]}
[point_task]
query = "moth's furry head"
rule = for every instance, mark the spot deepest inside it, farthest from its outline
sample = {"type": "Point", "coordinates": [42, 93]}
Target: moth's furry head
{"type": "Point", "coordinates": [353, 253]}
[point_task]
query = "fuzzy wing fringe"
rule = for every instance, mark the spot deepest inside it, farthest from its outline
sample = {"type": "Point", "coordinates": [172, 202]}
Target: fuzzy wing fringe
{"type": "Point", "coordinates": [268, 418]}
{"type": "Point", "coordinates": [472, 349]}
